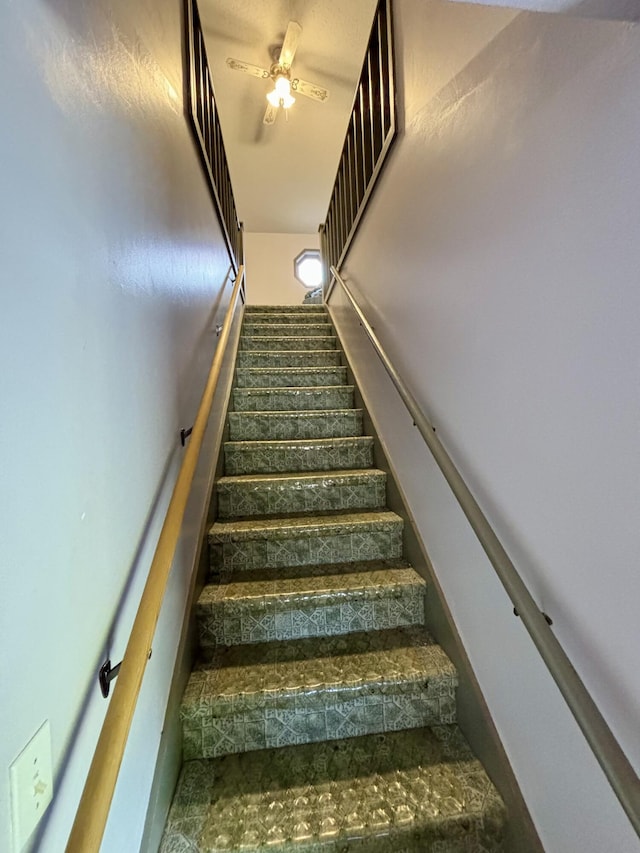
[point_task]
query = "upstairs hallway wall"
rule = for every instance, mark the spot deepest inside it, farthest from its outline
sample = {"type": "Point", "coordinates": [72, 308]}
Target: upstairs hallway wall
{"type": "Point", "coordinates": [270, 276]}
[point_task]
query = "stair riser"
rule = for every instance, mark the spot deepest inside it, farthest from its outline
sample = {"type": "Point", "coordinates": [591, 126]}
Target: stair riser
{"type": "Point", "coordinates": [307, 358]}
{"type": "Point", "coordinates": [286, 319]}
{"type": "Point", "coordinates": [276, 553]}
{"type": "Point", "coordinates": [280, 344]}
{"type": "Point", "coordinates": [273, 459]}
{"type": "Point", "coordinates": [257, 426]}
{"type": "Point", "coordinates": [278, 330]}
{"type": "Point", "coordinates": [285, 310]}
{"type": "Point", "coordinates": [292, 400]}
{"type": "Point", "coordinates": [224, 728]}
{"type": "Point", "coordinates": [239, 499]}
{"type": "Point", "coordinates": [301, 378]}
{"type": "Point", "coordinates": [238, 622]}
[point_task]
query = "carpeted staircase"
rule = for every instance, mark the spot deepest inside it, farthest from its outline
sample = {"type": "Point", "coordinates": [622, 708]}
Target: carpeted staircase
{"type": "Point", "coordinates": [321, 715]}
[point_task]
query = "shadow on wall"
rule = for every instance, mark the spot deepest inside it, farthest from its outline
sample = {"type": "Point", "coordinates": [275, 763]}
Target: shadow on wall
{"type": "Point", "coordinates": [467, 96]}
{"type": "Point", "coordinates": [621, 10]}
{"type": "Point", "coordinates": [106, 651]}
{"type": "Point", "coordinates": [139, 565]}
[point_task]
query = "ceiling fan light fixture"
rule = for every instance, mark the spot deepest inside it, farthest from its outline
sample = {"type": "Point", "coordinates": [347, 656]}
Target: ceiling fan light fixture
{"type": "Point", "coordinates": [280, 73]}
{"type": "Point", "coordinates": [281, 95]}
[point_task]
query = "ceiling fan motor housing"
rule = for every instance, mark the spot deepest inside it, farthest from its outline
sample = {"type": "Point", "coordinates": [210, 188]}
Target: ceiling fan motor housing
{"type": "Point", "coordinates": [277, 70]}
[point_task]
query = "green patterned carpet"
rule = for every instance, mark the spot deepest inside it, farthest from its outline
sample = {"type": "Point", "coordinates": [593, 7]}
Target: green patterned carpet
{"type": "Point", "coordinates": [320, 715]}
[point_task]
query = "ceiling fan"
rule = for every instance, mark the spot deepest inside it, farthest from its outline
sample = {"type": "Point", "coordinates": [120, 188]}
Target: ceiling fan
{"type": "Point", "coordinates": [280, 73]}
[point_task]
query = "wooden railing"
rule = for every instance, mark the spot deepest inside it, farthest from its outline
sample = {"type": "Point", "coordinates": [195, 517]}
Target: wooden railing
{"type": "Point", "coordinates": [370, 134]}
{"type": "Point", "coordinates": [91, 817]}
{"type": "Point", "coordinates": [205, 124]}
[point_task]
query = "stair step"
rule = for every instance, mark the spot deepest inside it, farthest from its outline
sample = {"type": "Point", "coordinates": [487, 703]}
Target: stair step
{"type": "Point", "coordinates": [319, 454]}
{"type": "Point", "coordinates": [310, 601]}
{"type": "Point", "coordinates": [277, 329]}
{"type": "Point", "coordinates": [321, 715]}
{"type": "Point", "coordinates": [401, 792]}
{"type": "Point", "coordinates": [286, 377]}
{"type": "Point", "coordinates": [285, 309]}
{"type": "Point", "coordinates": [265, 342]}
{"type": "Point", "coordinates": [289, 358]}
{"type": "Point", "coordinates": [269, 494]}
{"type": "Point", "coordinates": [299, 691]}
{"type": "Point", "coordinates": [333, 423]}
{"type": "Point", "coordinates": [292, 399]}
{"type": "Point", "coordinates": [294, 318]}
{"type": "Point", "coordinates": [280, 542]}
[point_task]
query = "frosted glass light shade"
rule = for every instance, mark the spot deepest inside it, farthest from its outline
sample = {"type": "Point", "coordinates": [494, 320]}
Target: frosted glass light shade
{"type": "Point", "coordinates": [281, 95]}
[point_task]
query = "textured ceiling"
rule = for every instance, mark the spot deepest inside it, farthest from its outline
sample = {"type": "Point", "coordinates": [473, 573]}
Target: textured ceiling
{"type": "Point", "coordinates": [283, 174]}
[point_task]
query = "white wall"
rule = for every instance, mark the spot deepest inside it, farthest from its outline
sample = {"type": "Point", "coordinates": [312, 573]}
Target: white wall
{"type": "Point", "coordinates": [113, 270]}
{"type": "Point", "coordinates": [269, 259]}
{"type": "Point", "coordinates": [499, 265]}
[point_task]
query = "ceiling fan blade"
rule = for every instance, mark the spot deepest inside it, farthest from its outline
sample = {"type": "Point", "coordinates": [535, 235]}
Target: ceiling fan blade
{"type": "Point", "coordinates": [291, 39]}
{"type": "Point", "coordinates": [247, 68]}
{"type": "Point", "coordinates": [270, 114]}
{"type": "Point", "coordinates": [309, 90]}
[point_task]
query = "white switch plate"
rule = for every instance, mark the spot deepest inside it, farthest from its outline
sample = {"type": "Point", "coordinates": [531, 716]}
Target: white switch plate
{"type": "Point", "coordinates": [31, 786]}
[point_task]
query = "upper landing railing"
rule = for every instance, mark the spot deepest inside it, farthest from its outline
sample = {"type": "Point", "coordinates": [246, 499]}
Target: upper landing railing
{"type": "Point", "coordinates": [205, 124]}
{"type": "Point", "coordinates": [370, 134]}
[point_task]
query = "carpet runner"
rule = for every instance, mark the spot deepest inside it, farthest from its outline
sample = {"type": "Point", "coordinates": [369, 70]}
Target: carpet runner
{"type": "Point", "coordinates": [320, 716]}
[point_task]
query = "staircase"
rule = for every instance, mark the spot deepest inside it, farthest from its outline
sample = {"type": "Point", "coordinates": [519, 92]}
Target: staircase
{"type": "Point", "coordinates": [320, 715]}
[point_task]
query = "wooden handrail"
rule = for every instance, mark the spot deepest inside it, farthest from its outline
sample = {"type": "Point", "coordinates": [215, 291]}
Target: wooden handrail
{"type": "Point", "coordinates": [91, 817]}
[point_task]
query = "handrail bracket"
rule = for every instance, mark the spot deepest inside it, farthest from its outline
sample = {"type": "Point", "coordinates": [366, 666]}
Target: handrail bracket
{"type": "Point", "coordinates": [106, 674]}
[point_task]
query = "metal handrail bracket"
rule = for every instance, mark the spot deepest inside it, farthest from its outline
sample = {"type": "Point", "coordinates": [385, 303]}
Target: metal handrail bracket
{"type": "Point", "coordinates": [91, 817]}
{"type": "Point", "coordinates": [615, 764]}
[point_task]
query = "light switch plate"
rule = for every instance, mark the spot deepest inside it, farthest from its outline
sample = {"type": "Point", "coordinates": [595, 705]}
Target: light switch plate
{"type": "Point", "coordinates": [31, 780]}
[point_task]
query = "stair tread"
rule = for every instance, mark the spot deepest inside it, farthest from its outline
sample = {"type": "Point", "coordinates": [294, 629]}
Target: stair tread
{"type": "Point", "coordinates": [297, 343]}
{"type": "Point", "coordinates": [297, 398]}
{"type": "Point", "coordinates": [292, 389]}
{"type": "Point", "coordinates": [258, 606]}
{"type": "Point", "coordinates": [290, 307]}
{"type": "Point", "coordinates": [298, 455]}
{"type": "Point", "coordinates": [298, 337]}
{"type": "Point", "coordinates": [298, 443]}
{"type": "Point", "coordinates": [283, 343]}
{"type": "Point", "coordinates": [357, 475]}
{"type": "Point", "coordinates": [291, 424]}
{"type": "Point", "coordinates": [289, 377]}
{"type": "Point", "coordinates": [306, 526]}
{"type": "Point", "coordinates": [367, 579]}
{"type": "Point", "coordinates": [293, 317]}
{"type": "Point", "coordinates": [244, 495]}
{"type": "Point", "coordinates": [381, 793]}
{"type": "Point", "coordinates": [289, 352]}
{"type": "Point", "coordinates": [295, 412]}
{"type": "Point", "coordinates": [283, 370]}
{"type": "Point", "coordinates": [289, 358]}
{"type": "Point", "coordinates": [284, 328]}
{"type": "Point", "coordinates": [355, 664]}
